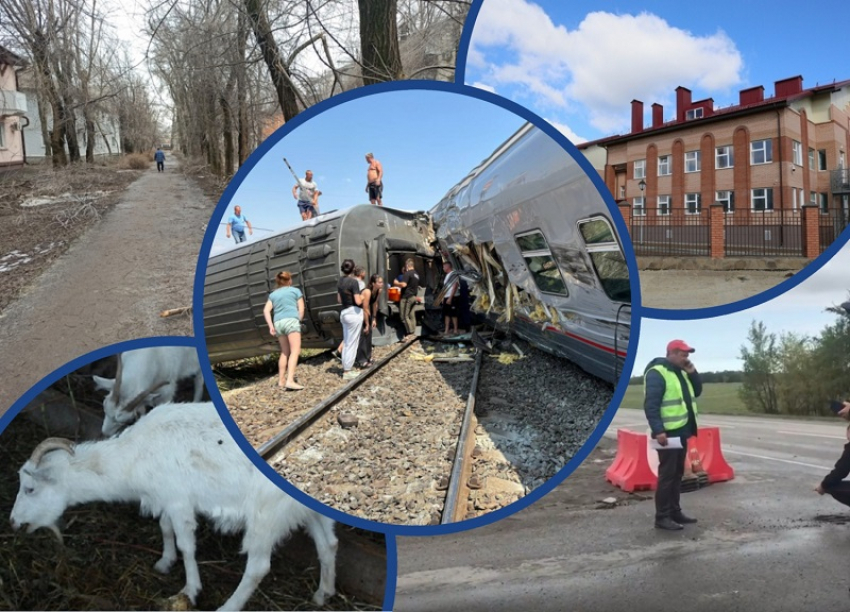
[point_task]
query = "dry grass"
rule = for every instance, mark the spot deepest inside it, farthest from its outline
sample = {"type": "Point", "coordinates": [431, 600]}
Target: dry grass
{"type": "Point", "coordinates": [106, 562]}
{"type": "Point", "coordinates": [135, 161]}
{"type": "Point", "coordinates": [74, 199]}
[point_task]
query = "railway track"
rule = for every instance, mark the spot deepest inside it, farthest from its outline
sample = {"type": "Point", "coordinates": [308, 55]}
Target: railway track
{"type": "Point", "coordinates": [385, 455]}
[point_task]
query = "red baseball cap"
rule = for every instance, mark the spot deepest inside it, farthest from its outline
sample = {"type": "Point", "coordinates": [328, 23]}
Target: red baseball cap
{"type": "Point", "coordinates": [679, 345]}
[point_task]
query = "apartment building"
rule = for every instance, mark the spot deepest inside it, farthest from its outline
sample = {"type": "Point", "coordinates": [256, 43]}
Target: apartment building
{"type": "Point", "coordinates": [761, 163]}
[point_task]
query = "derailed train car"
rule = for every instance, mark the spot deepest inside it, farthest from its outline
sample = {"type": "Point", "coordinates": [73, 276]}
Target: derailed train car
{"type": "Point", "coordinates": [526, 228]}
{"type": "Point", "coordinates": [238, 281]}
{"type": "Point", "coordinates": [532, 232]}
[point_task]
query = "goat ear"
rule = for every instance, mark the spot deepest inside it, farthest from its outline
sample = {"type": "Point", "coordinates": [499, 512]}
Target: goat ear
{"type": "Point", "coordinates": [105, 384]}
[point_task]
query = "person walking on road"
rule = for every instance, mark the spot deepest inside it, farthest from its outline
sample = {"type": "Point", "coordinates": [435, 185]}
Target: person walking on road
{"type": "Point", "coordinates": [307, 193]}
{"type": "Point", "coordinates": [671, 385]}
{"type": "Point", "coordinates": [374, 180]}
{"type": "Point", "coordinates": [159, 158]}
{"type": "Point", "coordinates": [834, 483]}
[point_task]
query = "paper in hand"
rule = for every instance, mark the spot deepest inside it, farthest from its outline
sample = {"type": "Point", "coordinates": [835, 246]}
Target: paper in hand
{"type": "Point", "coordinates": [672, 444]}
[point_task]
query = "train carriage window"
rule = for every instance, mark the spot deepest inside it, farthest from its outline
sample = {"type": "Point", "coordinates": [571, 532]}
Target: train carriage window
{"type": "Point", "coordinates": [607, 258]}
{"type": "Point", "coordinates": [543, 267]}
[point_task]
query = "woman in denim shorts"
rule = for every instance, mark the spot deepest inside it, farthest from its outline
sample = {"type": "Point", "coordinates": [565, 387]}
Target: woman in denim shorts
{"type": "Point", "coordinates": [287, 303]}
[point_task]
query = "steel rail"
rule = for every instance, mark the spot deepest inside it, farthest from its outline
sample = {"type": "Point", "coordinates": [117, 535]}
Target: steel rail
{"type": "Point", "coordinates": [463, 451]}
{"type": "Point", "coordinates": [269, 448]}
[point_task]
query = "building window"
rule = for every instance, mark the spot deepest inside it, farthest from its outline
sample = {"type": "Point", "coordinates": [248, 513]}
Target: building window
{"type": "Point", "coordinates": [813, 198]}
{"type": "Point", "coordinates": [541, 264]}
{"type": "Point", "coordinates": [694, 113]}
{"type": "Point", "coordinates": [821, 159]}
{"type": "Point", "coordinates": [724, 158]}
{"type": "Point", "coordinates": [796, 198]}
{"type": "Point", "coordinates": [811, 159]}
{"type": "Point", "coordinates": [638, 207]}
{"type": "Point", "coordinates": [693, 203]}
{"type": "Point", "coordinates": [824, 202]}
{"type": "Point", "coordinates": [640, 169]}
{"type": "Point", "coordinates": [622, 192]}
{"type": "Point", "coordinates": [692, 161]}
{"type": "Point", "coordinates": [663, 206]}
{"type": "Point", "coordinates": [2, 135]}
{"type": "Point", "coordinates": [797, 152]}
{"type": "Point", "coordinates": [607, 257]}
{"type": "Point", "coordinates": [762, 199]}
{"type": "Point", "coordinates": [727, 198]}
{"type": "Point", "coordinates": [665, 166]}
{"type": "Point", "coordinates": [761, 151]}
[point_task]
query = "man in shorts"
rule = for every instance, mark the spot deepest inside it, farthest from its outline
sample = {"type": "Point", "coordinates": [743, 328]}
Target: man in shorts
{"type": "Point", "coordinates": [374, 180]}
{"type": "Point", "coordinates": [307, 193]}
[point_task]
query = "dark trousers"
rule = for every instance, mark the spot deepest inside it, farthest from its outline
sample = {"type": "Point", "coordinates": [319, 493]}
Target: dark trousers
{"type": "Point", "coordinates": [160, 166]}
{"type": "Point", "coordinates": [364, 349]}
{"type": "Point", "coordinates": [407, 315]}
{"type": "Point", "coordinates": [841, 492]}
{"type": "Point", "coordinates": [671, 468]}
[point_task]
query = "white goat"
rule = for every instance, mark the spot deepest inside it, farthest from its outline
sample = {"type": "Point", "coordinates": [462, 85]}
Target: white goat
{"type": "Point", "coordinates": [178, 461]}
{"type": "Point", "coordinates": [146, 377]}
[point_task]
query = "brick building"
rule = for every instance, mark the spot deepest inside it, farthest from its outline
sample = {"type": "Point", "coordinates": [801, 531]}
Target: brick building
{"type": "Point", "coordinates": [767, 176]}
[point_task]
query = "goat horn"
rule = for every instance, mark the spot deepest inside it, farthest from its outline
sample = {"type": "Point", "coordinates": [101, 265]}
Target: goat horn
{"type": "Point", "coordinates": [50, 444]}
{"type": "Point", "coordinates": [116, 390]}
{"type": "Point", "coordinates": [131, 405]}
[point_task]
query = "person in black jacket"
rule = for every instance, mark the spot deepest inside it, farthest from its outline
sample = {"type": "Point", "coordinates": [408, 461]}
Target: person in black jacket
{"type": "Point", "coordinates": [671, 462]}
{"type": "Point", "coordinates": [834, 483]}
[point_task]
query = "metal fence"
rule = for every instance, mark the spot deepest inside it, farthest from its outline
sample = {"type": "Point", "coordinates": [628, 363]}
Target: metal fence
{"type": "Point", "coordinates": [830, 225]}
{"type": "Point", "coordinates": [773, 233]}
{"type": "Point", "coordinates": [675, 234]}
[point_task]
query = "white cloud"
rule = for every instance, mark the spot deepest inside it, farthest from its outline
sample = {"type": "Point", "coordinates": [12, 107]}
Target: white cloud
{"type": "Point", "coordinates": [602, 65]}
{"type": "Point", "coordinates": [484, 86]}
{"type": "Point", "coordinates": [566, 131]}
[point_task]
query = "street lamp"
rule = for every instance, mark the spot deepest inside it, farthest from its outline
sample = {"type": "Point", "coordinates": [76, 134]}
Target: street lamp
{"type": "Point", "coordinates": [642, 186]}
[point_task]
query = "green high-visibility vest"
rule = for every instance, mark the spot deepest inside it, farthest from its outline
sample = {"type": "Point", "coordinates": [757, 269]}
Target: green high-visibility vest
{"type": "Point", "coordinates": [674, 410]}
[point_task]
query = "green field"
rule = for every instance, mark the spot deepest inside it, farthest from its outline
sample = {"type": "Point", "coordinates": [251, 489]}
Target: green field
{"type": "Point", "coordinates": [716, 398]}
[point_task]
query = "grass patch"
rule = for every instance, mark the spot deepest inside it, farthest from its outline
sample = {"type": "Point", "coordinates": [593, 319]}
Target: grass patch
{"type": "Point", "coordinates": [135, 161]}
{"type": "Point", "coordinates": [716, 398]}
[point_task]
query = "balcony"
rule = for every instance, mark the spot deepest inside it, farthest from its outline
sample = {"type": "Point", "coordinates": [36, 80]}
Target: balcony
{"type": "Point", "coordinates": [12, 103]}
{"type": "Point", "coordinates": [839, 181]}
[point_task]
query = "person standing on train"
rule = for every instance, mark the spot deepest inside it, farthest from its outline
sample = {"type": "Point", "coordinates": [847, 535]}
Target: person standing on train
{"type": "Point", "coordinates": [351, 317]}
{"type": "Point", "coordinates": [370, 297]}
{"type": "Point", "coordinates": [307, 193]}
{"type": "Point", "coordinates": [374, 180]}
{"type": "Point", "coordinates": [409, 284]}
{"type": "Point", "coordinates": [287, 303]}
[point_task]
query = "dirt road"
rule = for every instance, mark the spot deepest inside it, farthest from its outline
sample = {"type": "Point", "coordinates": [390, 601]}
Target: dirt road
{"type": "Point", "coordinates": [678, 289]}
{"type": "Point", "coordinates": [111, 284]}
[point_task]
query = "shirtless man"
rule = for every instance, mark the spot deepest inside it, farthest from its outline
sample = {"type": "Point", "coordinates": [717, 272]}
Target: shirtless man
{"type": "Point", "coordinates": [374, 180]}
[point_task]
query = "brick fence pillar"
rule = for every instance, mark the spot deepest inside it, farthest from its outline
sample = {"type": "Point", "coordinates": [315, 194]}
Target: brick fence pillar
{"type": "Point", "coordinates": [716, 230]}
{"type": "Point", "coordinates": [626, 211]}
{"type": "Point", "coordinates": [811, 231]}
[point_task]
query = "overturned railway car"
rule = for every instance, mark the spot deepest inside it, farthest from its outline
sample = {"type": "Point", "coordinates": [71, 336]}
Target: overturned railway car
{"type": "Point", "coordinates": [238, 281]}
{"type": "Point", "coordinates": [533, 233]}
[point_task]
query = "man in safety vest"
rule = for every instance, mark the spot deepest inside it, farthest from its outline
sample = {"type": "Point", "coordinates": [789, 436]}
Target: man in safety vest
{"type": "Point", "coordinates": [671, 386]}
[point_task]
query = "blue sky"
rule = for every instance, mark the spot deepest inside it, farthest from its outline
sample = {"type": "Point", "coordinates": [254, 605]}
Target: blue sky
{"type": "Point", "coordinates": [579, 64]}
{"type": "Point", "coordinates": [718, 340]}
{"type": "Point", "coordinates": [426, 140]}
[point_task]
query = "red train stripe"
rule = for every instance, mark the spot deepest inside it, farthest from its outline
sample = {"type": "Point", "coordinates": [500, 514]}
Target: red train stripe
{"type": "Point", "coordinates": [595, 345]}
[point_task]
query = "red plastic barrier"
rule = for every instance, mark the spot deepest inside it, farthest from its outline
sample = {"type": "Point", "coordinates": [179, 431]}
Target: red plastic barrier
{"type": "Point", "coordinates": [707, 444]}
{"type": "Point", "coordinates": [630, 470]}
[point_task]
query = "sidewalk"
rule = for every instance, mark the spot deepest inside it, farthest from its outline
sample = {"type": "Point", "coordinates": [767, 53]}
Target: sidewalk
{"type": "Point", "coordinates": [111, 284]}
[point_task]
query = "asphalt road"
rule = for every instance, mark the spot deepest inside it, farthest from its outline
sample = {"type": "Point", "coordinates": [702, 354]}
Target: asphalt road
{"type": "Point", "coordinates": [765, 541]}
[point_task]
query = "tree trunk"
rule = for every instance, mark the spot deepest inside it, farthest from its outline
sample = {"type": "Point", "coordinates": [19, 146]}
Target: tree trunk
{"type": "Point", "coordinates": [90, 136]}
{"type": "Point", "coordinates": [241, 92]}
{"type": "Point", "coordinates": [40, 60]}
{"type": "Point", "coordinates": [271, 55]}
{"type": "Point", "coordinates": [379, 46]}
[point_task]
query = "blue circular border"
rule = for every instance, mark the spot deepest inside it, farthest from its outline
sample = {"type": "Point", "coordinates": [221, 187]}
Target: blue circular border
{"type": "Point", "coordinates": [265, 147]}
{"type": "Point", "coordinates": [130, 345]}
